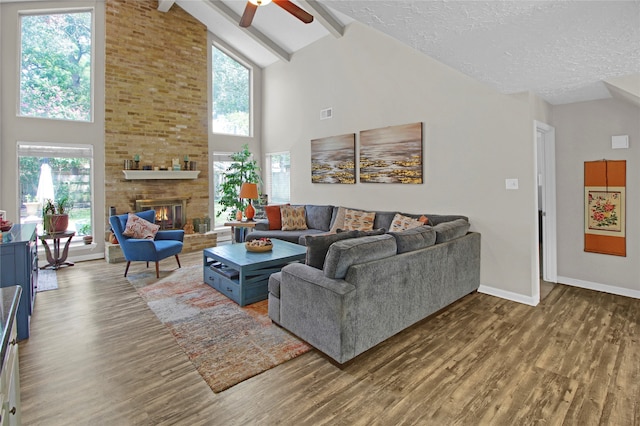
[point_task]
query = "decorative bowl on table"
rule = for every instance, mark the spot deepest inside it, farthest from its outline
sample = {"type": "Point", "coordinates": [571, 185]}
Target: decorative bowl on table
{"type": "Point", "coordinates": [259, 245]}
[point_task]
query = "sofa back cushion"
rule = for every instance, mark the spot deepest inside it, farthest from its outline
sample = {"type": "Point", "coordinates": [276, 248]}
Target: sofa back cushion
{"type": "Point", "coordinates": [318, 217]}
{"type": "Point", "coordinates": [414, 238]}
{"type": "Point", "coordinates": [447, 231]}
{"type": "Point", "coordinates": [318, 245]}
{"type": "Point", "coordinates": [353, 251]}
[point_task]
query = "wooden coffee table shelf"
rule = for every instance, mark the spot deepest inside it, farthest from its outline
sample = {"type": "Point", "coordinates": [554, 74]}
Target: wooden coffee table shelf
{"type": "Point", "coordinates": [242, 275]}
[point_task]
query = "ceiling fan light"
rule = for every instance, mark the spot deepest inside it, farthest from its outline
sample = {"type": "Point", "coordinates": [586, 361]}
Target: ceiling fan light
{"type": "Point", "coordinates": [260, 2]}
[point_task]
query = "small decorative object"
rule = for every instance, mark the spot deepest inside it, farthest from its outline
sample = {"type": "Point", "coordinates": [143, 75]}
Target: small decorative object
{"type": "Point", "coordinates": [203, 228]}
{"type": "Point", "coordinates": [128, 164]}
{"type": "Point", "coordinates": [259, 245]}
{"type": "Point", "coordinates": [193, 165]}
{"type": "Point", "coordinates": [391, 154]}
{"type": "Point", "coordinates": [188, 228]}
{"type": "Point", "coordinates": [87, 239]}
{"type": "Point", "coordinates": [147, 167]}
{"type": "Point", "coordinates": [239, 215]}
{"type": "Point", "coordinates": [112, 238]}
{"type": "Point", "coordinates": [333, 159]}
{"type": "Point", "coordinates": [136, 158]}
{"type": "Point", "coordinates": [249, 191]}
{"type": "Point", "coordinates": [175, 164]}
{"type": "Point", "coordinates": [5, 225]}
{"type": "Point", "coordinates": [604, 207]}
{"type": "Point", "coordinates": [186, 162]}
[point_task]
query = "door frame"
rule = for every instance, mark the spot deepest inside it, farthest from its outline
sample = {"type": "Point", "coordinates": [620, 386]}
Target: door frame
{"type": "Point", "coordinates": [547, 161]}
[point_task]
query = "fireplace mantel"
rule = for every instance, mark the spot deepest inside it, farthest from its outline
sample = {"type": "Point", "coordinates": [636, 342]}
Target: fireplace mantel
{"type": "Point", "coordinates": [161, 174]}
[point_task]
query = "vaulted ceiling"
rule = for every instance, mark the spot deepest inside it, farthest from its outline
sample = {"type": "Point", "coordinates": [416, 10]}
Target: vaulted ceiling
{"type": "Point", "coordinates": [564, 51]}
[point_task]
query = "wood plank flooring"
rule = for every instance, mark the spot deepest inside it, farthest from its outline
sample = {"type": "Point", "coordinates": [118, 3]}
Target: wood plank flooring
{"type": "Point", "coordinates": [98, 356]}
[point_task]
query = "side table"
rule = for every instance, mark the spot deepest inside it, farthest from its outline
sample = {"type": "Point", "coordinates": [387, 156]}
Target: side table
{"type": "Point", "coordinates": [57, 260]}
{"type": "Point", "coordinates": [239, 224]}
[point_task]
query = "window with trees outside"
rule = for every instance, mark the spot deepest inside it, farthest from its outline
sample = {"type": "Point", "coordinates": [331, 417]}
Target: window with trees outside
{"type": "Point", "coordinates": [55, 66]}
{"type": "Point", "coordinates": [231, 95]}
{"type": "Point", "coordinates": [53, 172]}
{"type": "Point", "coordinates": [278, 177]}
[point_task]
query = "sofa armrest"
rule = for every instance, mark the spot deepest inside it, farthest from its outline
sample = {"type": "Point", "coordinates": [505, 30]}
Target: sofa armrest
{"type": "Point", "coordinates": [319, 310]}
{"type": "Point", "coordinates": [262, 225]}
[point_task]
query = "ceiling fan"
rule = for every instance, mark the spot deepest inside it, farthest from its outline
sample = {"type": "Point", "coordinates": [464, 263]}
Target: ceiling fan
{"type": "Point", "coordinates": [252, 6]}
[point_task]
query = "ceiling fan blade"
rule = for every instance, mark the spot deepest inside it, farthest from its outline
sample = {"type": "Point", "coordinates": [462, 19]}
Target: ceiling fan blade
{"type": "Point", "coordinates": [247, 16]}
{"type": "Point", "coordinates": [295, 10]}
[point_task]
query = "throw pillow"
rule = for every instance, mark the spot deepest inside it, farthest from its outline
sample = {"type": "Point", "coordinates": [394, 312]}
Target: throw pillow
{"type": "Point", "coordinates": [424, 219]}
{"type": "Point", "coordinates": [137, 227]}
{"type": "Point", "coordinates": [401, 223]}
{"type": "Point", "coordinates": [358, 220]}
{"type": "Point", "coordinates": [339, 222]}
{"type": "Point", "coordinates": [292, 218]}
{"type": "Point", "coordinates": [318, 245]}
{"type": "Point", "coordinates": [273, 216]}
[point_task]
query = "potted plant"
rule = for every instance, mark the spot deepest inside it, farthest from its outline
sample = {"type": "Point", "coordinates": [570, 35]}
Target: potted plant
{"type": "Point", "coordinates": [56, 214]}
{"type": "Point", "coordinates": [243, 169]}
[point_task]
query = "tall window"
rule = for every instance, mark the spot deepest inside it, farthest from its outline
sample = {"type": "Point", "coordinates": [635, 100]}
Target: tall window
{"type": "Point", "coordinates": [55, 66]}
{"type": "Point", "coordinates": [231, 95]}
{"type": "Point", "coordinates": [278, 177]}
{"type": "Point", "coordinates": [54, 172]}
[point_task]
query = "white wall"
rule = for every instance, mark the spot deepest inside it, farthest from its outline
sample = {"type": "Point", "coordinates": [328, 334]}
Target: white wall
{"type": "Point", "coordinates": [474, 138]}
{"type": "Point", "coordinates": [18, 129]}
{"type": "Point", "coordinates": [583, 133]}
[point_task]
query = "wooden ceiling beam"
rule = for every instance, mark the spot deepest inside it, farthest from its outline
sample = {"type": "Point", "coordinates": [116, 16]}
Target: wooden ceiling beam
{"type": "Point", "coordinates": [256, 35]}
{"type": "Point", "coordinates": [165, 5]}
{"type": "Point", "coordinates": [322, 15]}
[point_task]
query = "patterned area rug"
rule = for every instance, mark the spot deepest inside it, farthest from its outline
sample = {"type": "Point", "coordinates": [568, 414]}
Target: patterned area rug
{"type": "Point", "coordinates": [47, 280]}
{"type": "Point", "coordinates": [227, 343]}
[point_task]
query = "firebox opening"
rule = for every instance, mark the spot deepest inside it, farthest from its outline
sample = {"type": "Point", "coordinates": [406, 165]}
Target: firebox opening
{"type": "Point", "coordinates": [170, 213]}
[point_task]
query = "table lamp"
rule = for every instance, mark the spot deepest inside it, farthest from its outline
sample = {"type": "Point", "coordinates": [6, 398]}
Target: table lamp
{"type": "Point", "coordinates": [250, 192]}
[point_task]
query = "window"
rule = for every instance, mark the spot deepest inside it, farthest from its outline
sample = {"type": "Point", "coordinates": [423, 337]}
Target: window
{"type": "Point", "coordinates": [52, 172]}
{"type": "Point", "coordinates": [277, 177]}
{"type": "Point", "coordinates": [231, 95]}
{"type": "Point", "coordinates": [55, 66]}
{"type": "Point", "coordinates": [221, 162]}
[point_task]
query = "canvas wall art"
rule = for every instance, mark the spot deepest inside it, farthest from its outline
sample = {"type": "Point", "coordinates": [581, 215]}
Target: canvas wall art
{"type": "Point", "coordinates": [604, 207]}
{"type": "Point", "coordinates": [391, 154]}
{"type": "Point", "coordinates": [333, 159]}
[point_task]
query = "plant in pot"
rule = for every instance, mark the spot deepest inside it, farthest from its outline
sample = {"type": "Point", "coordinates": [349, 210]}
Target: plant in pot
{"type": "Point", "coordinates": [242, 169]}
{"type": "Point", "coordinates": [56, 214]}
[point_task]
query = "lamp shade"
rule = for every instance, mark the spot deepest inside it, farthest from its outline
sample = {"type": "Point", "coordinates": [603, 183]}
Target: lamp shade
{"type": "Point", "coordinates": [249, 190]}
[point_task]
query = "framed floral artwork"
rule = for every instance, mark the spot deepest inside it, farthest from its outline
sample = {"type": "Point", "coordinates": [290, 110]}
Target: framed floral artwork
{"type": "Point", "coordinates": [604, 207]}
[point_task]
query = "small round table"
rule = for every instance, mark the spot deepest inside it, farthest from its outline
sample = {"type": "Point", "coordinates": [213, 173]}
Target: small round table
{"type": "Point", "coordinates": [57, 260]}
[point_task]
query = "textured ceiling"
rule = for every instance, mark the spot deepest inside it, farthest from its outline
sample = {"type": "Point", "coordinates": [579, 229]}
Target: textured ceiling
{"type": "Point", "coordinates": [561, 50]}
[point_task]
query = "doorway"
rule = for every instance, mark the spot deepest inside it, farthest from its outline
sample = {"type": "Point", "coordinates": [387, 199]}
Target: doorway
{"type": "Point", "coordinates": [546, 205]}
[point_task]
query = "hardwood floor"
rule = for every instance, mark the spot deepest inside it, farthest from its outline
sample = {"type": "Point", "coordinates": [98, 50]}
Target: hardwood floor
{"type": "Point", "coordinates": [97, 355]}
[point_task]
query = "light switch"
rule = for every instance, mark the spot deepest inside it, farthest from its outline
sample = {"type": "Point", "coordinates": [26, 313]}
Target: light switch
{"type": "Point", "coordinates": [511, 183]}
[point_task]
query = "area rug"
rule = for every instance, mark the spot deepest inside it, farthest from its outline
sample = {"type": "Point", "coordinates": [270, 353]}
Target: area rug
{"type": "Point", "coordinates": [47, 280]}
{"type": "Point", "coordinates": [227, 344]}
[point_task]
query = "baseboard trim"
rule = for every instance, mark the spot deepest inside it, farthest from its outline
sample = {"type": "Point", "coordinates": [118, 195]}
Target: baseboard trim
{"type": "Point", "coordinates": [620, 291]}
{"type": "Point", "coordinates": [504, 294]}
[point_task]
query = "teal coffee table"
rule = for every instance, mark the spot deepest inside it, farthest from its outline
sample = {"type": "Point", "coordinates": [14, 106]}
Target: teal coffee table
{"type": "Point", "coordinates": [242, 275]}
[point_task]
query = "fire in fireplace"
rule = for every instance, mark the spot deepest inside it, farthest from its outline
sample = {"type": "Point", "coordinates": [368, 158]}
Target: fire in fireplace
{"type": "Point", "coordinates": [170, 213]}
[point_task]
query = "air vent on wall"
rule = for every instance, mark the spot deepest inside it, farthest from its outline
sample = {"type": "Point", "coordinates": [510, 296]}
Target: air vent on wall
{"type": "Point", "coordinates": [326, 113]}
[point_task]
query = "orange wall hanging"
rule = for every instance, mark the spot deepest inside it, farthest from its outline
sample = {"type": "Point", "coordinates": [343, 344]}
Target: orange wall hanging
{"type": "Point", "coordinates": [604, 207]}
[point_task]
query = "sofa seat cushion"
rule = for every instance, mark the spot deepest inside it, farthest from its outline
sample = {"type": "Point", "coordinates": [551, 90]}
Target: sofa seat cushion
{"type": "Point", "coordinates": [447, 231]}
{"type": "Point", "coordinates": [318, 246]}
{"type": "Point", "coordinates": [353, 251]}
{"type": "Point", "coordinates": [318, 217]}
{"type": "Point", "coordinates": [414, 238]}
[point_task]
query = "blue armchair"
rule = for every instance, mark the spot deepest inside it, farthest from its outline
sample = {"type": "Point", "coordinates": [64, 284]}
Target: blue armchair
{"type": "Point", "coordinates": [166, 242]}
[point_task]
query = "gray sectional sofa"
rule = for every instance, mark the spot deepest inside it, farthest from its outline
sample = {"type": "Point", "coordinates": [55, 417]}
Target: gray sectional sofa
{"type": "Point", "coordinates": [366, 289]}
